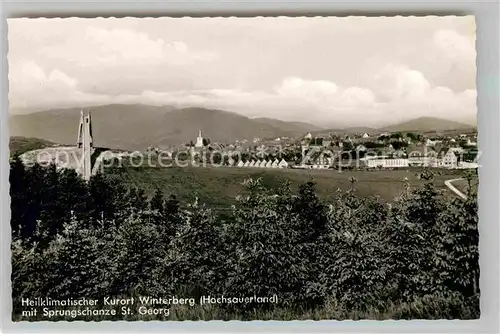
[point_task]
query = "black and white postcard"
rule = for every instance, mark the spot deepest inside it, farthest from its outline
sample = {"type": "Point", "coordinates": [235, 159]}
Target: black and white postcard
{"type": "Point", "coordinates": [267, 168]}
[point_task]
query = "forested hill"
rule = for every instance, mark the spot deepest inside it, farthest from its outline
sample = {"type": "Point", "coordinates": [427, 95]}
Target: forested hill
{"type": "Point", "coordinates": [133, 127]}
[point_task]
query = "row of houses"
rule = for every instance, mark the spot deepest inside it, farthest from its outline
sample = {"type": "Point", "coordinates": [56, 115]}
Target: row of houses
{"type": "Point", "coordinates": [449, 160]}
{"type": "Point", "coordinates": [260, 163]}
{"type": "Point", "coordinates": [313, 166]}
{"type": "Point", "coordinates": [401, 163]}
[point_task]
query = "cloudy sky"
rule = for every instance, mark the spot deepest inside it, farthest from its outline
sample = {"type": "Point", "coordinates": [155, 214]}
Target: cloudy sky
{"type": "Point", "coordinates": [331, 71]}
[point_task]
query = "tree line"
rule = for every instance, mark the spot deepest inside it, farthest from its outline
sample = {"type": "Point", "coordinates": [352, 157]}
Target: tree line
{"type": "Point", "coordinates": [415, 257]}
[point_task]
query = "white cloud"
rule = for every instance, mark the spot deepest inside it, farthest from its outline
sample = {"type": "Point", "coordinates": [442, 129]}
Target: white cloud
{"type": "Point", "coordinates": [307, 89]}
{"type": "Point", "coordinates": [121, 47]}
{"type": "Point", "coordinates": [324, 94]}
{"type": "Point", "coordinates": [314, 74]}
{"type": "Point", "coordinates": [32, 87]}
{"type": "Point", "coordinates": [27, 75]}
{"type": "Point", "coordinates": [325, 102]}
{"type": "Point", "coordinates": [455, 47]}
{"type": "Point", "coordinates": [406, 94]}
{"type": "Point", "coordinates": [396, 81]}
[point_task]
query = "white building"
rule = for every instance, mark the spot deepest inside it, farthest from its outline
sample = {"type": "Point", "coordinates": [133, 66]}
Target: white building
{"type": "Point", "coordinates": [199, 141]}
{"type": "Point", "coordinates": [431, 142]}
{"type": "Point", "coordinates": [318, 166]}
{"type": "Point", "coordinates": [366, 135]}
{"type": "Point", "coordinates": [471, 143]}
{"type": "Point", "coordinates": [269, 164]}
{"type": "Point", "coordinates": [246, 164]}
{"type": "Point", "coordinates": [283, 164]}
{"type": "Point", "coordinates": [240, 164]}
{"type": "Point", "coordinates": [387, 163]}
{"type": "Point", "coordinates": [324, 160]}
{"type": "Point", "coordinates": [308, 136]}
{"type": "Point", "coordinates": [422, 157]}
{"type": "Point", "coordinates": [252, 163]}
{"type": "Point", "coordinates": [275, 163]}
{"type": "Point", "coordinates": [457, 150]}
{"type": "Point", "coordinates": [450, 160]}
{"type": "Point", "coordinates": [360, 148]}
{"type": "Point", "coordinates": [466, 165]}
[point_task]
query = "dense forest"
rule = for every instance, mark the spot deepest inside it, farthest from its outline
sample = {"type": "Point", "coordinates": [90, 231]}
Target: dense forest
{"type": "Point", "coordinates": [349, 258]}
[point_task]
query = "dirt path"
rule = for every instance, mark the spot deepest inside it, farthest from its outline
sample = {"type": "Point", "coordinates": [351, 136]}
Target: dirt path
{"type": "Point", "coordinates": [455, 190]}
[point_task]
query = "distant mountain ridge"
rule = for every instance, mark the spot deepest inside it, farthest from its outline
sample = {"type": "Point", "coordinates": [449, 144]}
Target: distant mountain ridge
{"type": "Point", "coordinates": [288, 126]}
{"type": "Point", "coordinates": [141, 126]}
{"type": "Point", "coordinates": [427, 124]}
{"type": "Point", "coordinates": [349, 130]}
{"type": "Point", "coordinates": [132, 127]}
{"type": "Point", "coordinates": [421, 125]}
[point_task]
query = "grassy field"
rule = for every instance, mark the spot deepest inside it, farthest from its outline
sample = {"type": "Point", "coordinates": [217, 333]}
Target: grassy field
{"type": "Point", "coordinates": [217, 187]}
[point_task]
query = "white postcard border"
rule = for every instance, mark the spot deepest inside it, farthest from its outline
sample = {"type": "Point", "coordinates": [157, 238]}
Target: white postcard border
{"type": "Point", "coordinates": [488, 77]}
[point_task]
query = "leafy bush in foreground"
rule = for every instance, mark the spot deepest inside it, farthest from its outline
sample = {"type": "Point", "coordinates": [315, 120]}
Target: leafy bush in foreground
{"type": "Point", "coordinates": [416, 257]}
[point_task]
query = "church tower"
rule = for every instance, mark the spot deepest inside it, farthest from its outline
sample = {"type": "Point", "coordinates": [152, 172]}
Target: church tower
{"type": "Point", "coordinates": [84, 142]}
{"type": "Point", "coordinates": [199, 141]}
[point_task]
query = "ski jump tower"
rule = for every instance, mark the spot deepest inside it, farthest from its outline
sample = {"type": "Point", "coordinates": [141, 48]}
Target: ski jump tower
{"type": "Point", "coordinates": [84, 142]}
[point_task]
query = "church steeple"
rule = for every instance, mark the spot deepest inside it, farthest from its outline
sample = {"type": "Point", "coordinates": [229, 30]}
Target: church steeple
{"type": "Point", "coordinates": [199, 140]}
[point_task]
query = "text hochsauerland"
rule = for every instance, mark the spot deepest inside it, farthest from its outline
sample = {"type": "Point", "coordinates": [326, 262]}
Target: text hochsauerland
{"type": "Point", "coordinates": [237, 300]}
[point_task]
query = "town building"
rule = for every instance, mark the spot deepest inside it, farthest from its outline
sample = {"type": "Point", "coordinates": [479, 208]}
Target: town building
{"type": "Point", "coordinates": [471, 143]}
{"type": "Point", "coordinates": [360, 148]}
{"type": "Point", "coordinates": [450, 159]}
{"type": "Point", "coordinates": [430, 142]}
{"type": "Point", "coordinates": [387, 163]}
{"type": "Point", "coordinates": [199, 141]}
{"type": "Point", "coordinates": [283, 164]}
{"type": "Point", "coordinates": [467, 165]}
{"type": "Point", "coordinates": [421, 156]}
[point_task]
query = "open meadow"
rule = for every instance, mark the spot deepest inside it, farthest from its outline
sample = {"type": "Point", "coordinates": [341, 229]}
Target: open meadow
{"type": "Point", "coordinates": [218, 186]}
